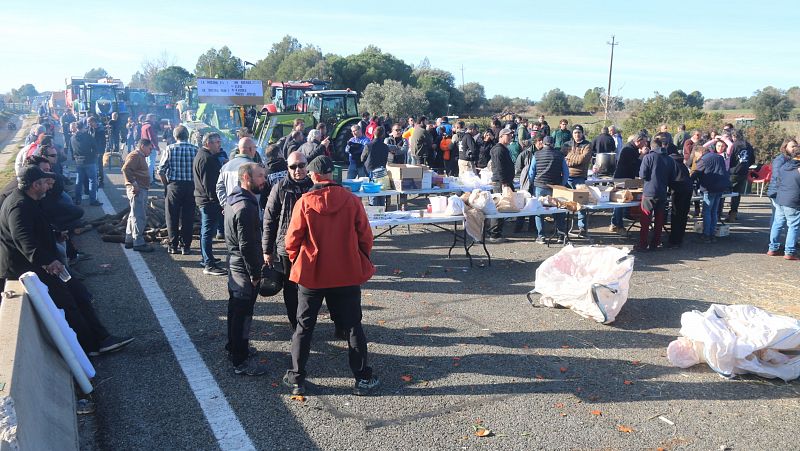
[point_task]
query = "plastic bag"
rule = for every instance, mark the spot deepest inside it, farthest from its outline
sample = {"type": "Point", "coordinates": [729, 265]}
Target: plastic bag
{"type": "Point", "coordinates": [438, 204]}
{"type": "Point", "coordinates": [469, 179]}
{"type": "Point", "coordinates": [531, 204]}
{"type": "Point", "coordinates": [486, 176]}
{"type": "Point", "coordinates": [455, 206]}
{"type": "Point", "coordinates": [739, 339]}
{"type": "Point", "coordinates": [482, 200]}
{"type": "Point", "coordinates": [592, 281]}
{"type": "Point", "coordinates": [510, 202]}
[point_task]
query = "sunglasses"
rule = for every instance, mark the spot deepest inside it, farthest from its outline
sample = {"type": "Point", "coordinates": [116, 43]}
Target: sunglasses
{"type": "Point", "coordinates": [297, 166]}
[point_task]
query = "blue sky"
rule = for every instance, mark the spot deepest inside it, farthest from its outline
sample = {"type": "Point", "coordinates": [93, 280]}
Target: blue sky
{"type": "Point", "coordinates": [722, 49]}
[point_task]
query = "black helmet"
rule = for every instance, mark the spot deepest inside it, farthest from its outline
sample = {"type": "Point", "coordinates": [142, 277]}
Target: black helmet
{"type": "Point", "coordinates": [271, 282]}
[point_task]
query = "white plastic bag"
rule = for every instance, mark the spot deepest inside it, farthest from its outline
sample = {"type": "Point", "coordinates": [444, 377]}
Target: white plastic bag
{"type": "Point", "coordinates": [531, 205]}
{"type": "Point", "coordinates": [591, 281]}
{"type": "Point", "coordinates": [455, 206]}
{"type": "Point", "coordinates": [469, 179]}
{"type": "Point", "coordinates": [739, 339]}
{"type": "Point", "coordinates": [486, 176]}
{"type": "Point", "coordinates": [482, 200]}
{"type": "Point", "coordinates": [438, 203]}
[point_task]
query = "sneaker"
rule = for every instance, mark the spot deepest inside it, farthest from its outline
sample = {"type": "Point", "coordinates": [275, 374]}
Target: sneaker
{"type": "Point", "coordinates": [250, 368]}
{"type": "Point", "coordinates": [775, 253]}
{"type": "Point", "coordinates": [214, 270]}
{"type": "Point", "coordinates": [581, 233]}
{"type": "Point", "coordinates": [144, 248]}
{"type": "Point", "coordinates": [85, 406]}
{"type": "Point", "coordinates": [112, 343]}
{"type": "Point", "coordinates": [496, 240]}
{"type": "Point", "coordinates": [541, 240]}
{"type": "Point", "coordinates": [128, 245]}
{"type": "Point", "coordinates": [186, 251]}
{"type": "Point", "coordinates": [791, 257]}
{"type": "Point", "coordinates": [95, 203]}
{"type": "Point", "coordinates": [297, 388]}
{"type": "Point", "coordinates": [214, 261]}
{"type": "Point", "coordinates": [219, 236]}
{"type": "Point", "coordinates": [364, 387]}
{"type": "Point", "coordinates": [615, 229]}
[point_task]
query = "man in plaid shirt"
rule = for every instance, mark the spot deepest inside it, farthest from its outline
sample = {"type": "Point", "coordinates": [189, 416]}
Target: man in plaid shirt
{"type": "Point", "coordinates": [175, 171]}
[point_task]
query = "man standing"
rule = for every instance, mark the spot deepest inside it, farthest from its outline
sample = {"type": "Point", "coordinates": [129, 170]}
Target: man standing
{"type": "Point", "coordinates": [561, 135]}
{"type": "Point", "coordinates": [688, 145]}
{"type": "Point", "coordinates": [548, 167]}
{"type": "Point", "coordinates": [205, 172]}
{"type": "Point", "coordinates": [578, 153]}
{"type": "Point", "coordinates": [619, 143]}
{"type": "Point", "coordinates": [544, 128]}
{"type": "Point", "coordinates": [277, 217]}
{"type": "Point", "coordinates": [242, 237]}
{"type": "Point", "coordinates": [175, 171]}
{"type": "Point", "coordinates": [657, 171]}
{"type": "Point", "coordinates": [355, 146]}
{"type": "Point", "coordinates": [66, 119]}
{"type": "Point", "coordinates": [137, 182]}
{"type": "Point", "coordinates": [229, 174]}
{"type": "Point", "coordinates": [84, 151]}
{"type": "Point", "coordinates": [328, 225]}
{"type": "Point", "coordinates": [299, 125]}
{"type": "Point", "coordinates": [681, 136]}
{"type": "Point", "coordinates": [468, 151]}
{"type": "Point", "coordinates": [150, 132]}
{"type": "Point", "coordinates": [99, 135]}
{"type": "Point", "coordinates": [314, 147]}
{"type": "Point", "coordinates": [628, 168]}
{"type": "Point", "coordinates": [502, 179]}
{"type": "Point", "coordinates": [742, 156]}
{"type": "Point", "coordinates": [664, 129]}
{"type": "Point", "coordinates": [681, 187]}
{"type": "Point", "coordinates": [604, 143]}
{"type": "Point", "coordinates": [420, 142]}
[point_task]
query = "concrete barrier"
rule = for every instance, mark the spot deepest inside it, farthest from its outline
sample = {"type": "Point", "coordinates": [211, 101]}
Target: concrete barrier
{"type": "Point", "coordinates": [37, 394]}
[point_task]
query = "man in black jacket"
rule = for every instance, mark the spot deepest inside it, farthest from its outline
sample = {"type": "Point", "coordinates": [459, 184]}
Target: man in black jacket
{"type": "Point", "coordinates": [604, 143]}
{"type": "Point", "coordinates": [742, 156]}
{"type": "Point", "coordinates": [657, 171]}
{"type": "Point", "coordinates": [84, 151]}
{"type": "Point", "coordinates": [98, 133]}
{"type": "Point", "coordinates": [205, 169]}
{"type": "Point", "coordinates": [681, 187]}
{"type": "Point", "coordinates": [502, 178]}
{"type": "Point", "coordinates": [628, 168]}
{"type": "Point", "coordinates": [277, 216]}
{"type": "Point", "coordinates": [468, 151]}
{"type": "Point", "coordinates": [243, 237]}
{"type": "Point", "coordinates": [28, 243]}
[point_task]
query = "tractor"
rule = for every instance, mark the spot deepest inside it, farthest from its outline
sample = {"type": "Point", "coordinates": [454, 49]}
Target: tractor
{"type": "Point", "coordinates": [336, 108]}
{"type": "Point", "coordinates": [223, 119]}
{"type": "Point", "coordinates": [288, 96]}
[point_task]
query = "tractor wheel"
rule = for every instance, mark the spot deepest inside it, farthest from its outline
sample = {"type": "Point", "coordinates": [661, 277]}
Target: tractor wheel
{"type": "Point", "coordinates": [339, 143]}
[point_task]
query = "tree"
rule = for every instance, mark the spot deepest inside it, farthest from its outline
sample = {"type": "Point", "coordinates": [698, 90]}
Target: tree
{"type": "Point", "coordinates": [219, 64]}
{"type": "Point", "coordinates": [369, 66]}
{"type": "Point", "coordinates": [150, 67]}
{"type": "Point", "coordinates": [393, 97]}
{"type": "Point", "coordinates": [474, 97]}
{"type": "Point", "coordinates": [138, 80]}
{"type": "Point", "coordinates": [575, 103]}
{"type": "Point", "coordinates": [173, 80]}
{"type": "Point", "coordinates": [498, 104]}
{"type": "Point", "coordinates": [771, 104]}
{"type": "Point", "coordinates": [437, 84]}
{"type": "Point", "coordinates": [678, 99]}
{"type": "Point", "coordinates": [695, 99]}
{"type": "Point", "coordinates": [554, 102]}
{"type": "Point", "coordinates": [265, 69]}
{"type": "Point", "coordinates": [24, 91]}
{"type": "Point", "coordinates": [96, 73]}
{"type": "Point", "coordinates": [300, 64]}
{"type": "Point", "coordinates": [594, 99]}
{"type": "Point", "coordinates": [658, 110]}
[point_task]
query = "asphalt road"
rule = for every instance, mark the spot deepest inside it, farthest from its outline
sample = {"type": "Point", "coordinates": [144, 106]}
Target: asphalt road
{"type": "Point", "coordinates": [454, 346]}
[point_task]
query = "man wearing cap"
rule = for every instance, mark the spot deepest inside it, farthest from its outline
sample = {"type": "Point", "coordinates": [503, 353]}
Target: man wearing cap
{"type": "Point", "coordinates": [468, 151]}
{"type": "Point", "coordinates": [282, 199]}
{"type": "Point", "coordinates": [578, 153]}
{"type": "Point", "coordinates": [502, 178]}
{"type": "Point", "coordinates": [628, 168]}
{"type": "Point", "coordinates": [28, 243]}
{"type": "Point", "coordinates": [329, 241]}
{"type": "Point", "coordinates": [243, 239]}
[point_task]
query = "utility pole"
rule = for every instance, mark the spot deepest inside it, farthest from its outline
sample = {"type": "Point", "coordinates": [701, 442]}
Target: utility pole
{"type": "Point", "coordinates": [613, 43]}
{"type": "Point", "coordinates": [462, 77]}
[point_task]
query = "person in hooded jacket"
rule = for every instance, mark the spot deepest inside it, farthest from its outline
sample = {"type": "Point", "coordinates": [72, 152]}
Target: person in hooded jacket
{"type": "Point", "coordinates": [329, 241]}
{"type": "Point", "coordinates": [656, 171]}
{"type": "Point", "coordinates": [787, 208]}
{"type": "Point", "coordinates": [243, 240]}
{"type": "Point", "coordinates": [280, 204]}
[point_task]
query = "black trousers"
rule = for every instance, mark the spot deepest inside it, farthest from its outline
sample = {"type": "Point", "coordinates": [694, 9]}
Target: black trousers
{"type": "Point", "coordinates": [344, 303]}
{"type": "Point", "coordinates": [179, 209]}
{"type": "Point", "coordinates": [738, 185]}
{"type": "Point", "coordinates": [496, 225]}
{"type": "Point", "coordinates": [679, 215]}
{"type": "Point", "coordinates": [240, 317]}
{"type": "Point", "coordinates": [76, 301]}
{"type": "Point", "coordinates": [284, 266]}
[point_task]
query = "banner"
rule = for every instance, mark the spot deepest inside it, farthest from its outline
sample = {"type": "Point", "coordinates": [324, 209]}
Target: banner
{"type": "Point", "coordinates": [225, 91]}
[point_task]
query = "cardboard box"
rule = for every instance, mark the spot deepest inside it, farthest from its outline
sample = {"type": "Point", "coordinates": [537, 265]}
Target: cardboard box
{"type": "Point", "coordinates": [601, 193]}
{"type": "Point", "coordinates": [620, 195]}
{"type": "Point", "coordinates": [629, 183]}
{"type": "Point", "coordinates": [721, 230]}
{"type": "Point", "coordinates": [580, 195]}
{"type": "Point", "coordinates": [405, 176]}
{"type": "Point", "coordinates": [427, 180]}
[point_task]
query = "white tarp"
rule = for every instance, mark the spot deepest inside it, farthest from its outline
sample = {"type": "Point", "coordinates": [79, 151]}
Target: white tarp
{"type": "Point", "coordinates": [739, 339]}
{"type": "Point", "coordinates": [592, 281]}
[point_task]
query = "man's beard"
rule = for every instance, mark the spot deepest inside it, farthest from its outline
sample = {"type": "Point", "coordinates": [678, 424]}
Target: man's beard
{"type": "Point", "coordinates": [253, 188]}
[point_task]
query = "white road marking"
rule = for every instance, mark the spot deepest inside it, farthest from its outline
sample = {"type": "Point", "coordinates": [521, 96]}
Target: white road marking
{"type": "Point", "coordinates": [224, 423]}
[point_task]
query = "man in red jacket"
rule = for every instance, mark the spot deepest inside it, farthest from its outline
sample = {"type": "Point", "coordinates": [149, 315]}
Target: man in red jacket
{"type": "Point", "coordinates": [328, 242]}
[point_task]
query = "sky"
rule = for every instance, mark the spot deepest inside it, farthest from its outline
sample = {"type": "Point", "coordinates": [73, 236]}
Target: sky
{"type": "Point", "coordinates": [514, 48]}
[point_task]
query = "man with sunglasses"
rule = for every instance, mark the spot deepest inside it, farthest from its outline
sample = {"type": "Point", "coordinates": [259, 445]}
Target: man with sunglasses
{"type": "Point", "coordinates": [277, 216]}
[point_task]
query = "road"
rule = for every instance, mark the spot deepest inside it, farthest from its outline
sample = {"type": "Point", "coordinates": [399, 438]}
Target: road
{"type": "Point", "coordinates": [453, 345]}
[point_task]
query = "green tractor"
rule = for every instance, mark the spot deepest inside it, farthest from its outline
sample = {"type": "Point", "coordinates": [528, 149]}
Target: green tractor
{"type": "Point", "coordinates": [336, 108]}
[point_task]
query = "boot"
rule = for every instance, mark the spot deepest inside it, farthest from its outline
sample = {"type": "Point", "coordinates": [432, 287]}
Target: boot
{"type": "Point", "coordinates": [731, 217]}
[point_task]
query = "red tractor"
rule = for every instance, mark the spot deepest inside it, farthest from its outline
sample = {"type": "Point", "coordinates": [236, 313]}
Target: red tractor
{"type": "Point", "coordinates": [287, 96]}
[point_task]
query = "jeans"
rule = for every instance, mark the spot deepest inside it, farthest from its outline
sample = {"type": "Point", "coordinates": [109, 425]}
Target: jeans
{"type": "Point", "coordinates": [151, 162]}
{"type": "Point", "coordinates": [354, 171]}
{"type": "Point", "coordinates": [240, 317]}
{"type": "Point", "coordinates": [789, 217]}
{"type": "Point", "coordinates": [86, 172]}
{"type": "Point", "coordinates": [137, 219]}
{"type": "Point", "coordinates": [65, 214]}
{"type": "Point", "coordinates": [496, 225]}
{"type": "Point", "coordinates": [344, 304]}
{"type": "Point", "coordinates": [179, 210]}
{"type": "Point", "coordinates": [618, 217]}
{"type": "Point", "coordinates": [210, 216]}
{"type": "Point", "coordinates": [710, 212]}
{"type": "Point", "coordinates": [559, 218]}
{"type": "Point", "coordinates": [573, 182]}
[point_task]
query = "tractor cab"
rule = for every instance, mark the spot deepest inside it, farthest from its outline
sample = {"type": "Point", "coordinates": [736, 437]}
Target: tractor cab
{"type": "Point", "coordinates": [331, 107]}
{"type": "Point", "coordinates": [288, 96]}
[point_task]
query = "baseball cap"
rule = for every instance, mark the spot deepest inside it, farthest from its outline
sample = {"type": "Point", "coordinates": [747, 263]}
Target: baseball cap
{"type": "Point", "coordinates": [548, 140]}
{"type": "Point", "coordinates": [506, 131]}
{"type": "Point", "coordinates": [31, 174]}
{"type": "Point", "coordinates": [643, 135]}
{"type": "Point", "coordinates": [321, 165]}
{"type": "Point", "coordinates": [578, 128]}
